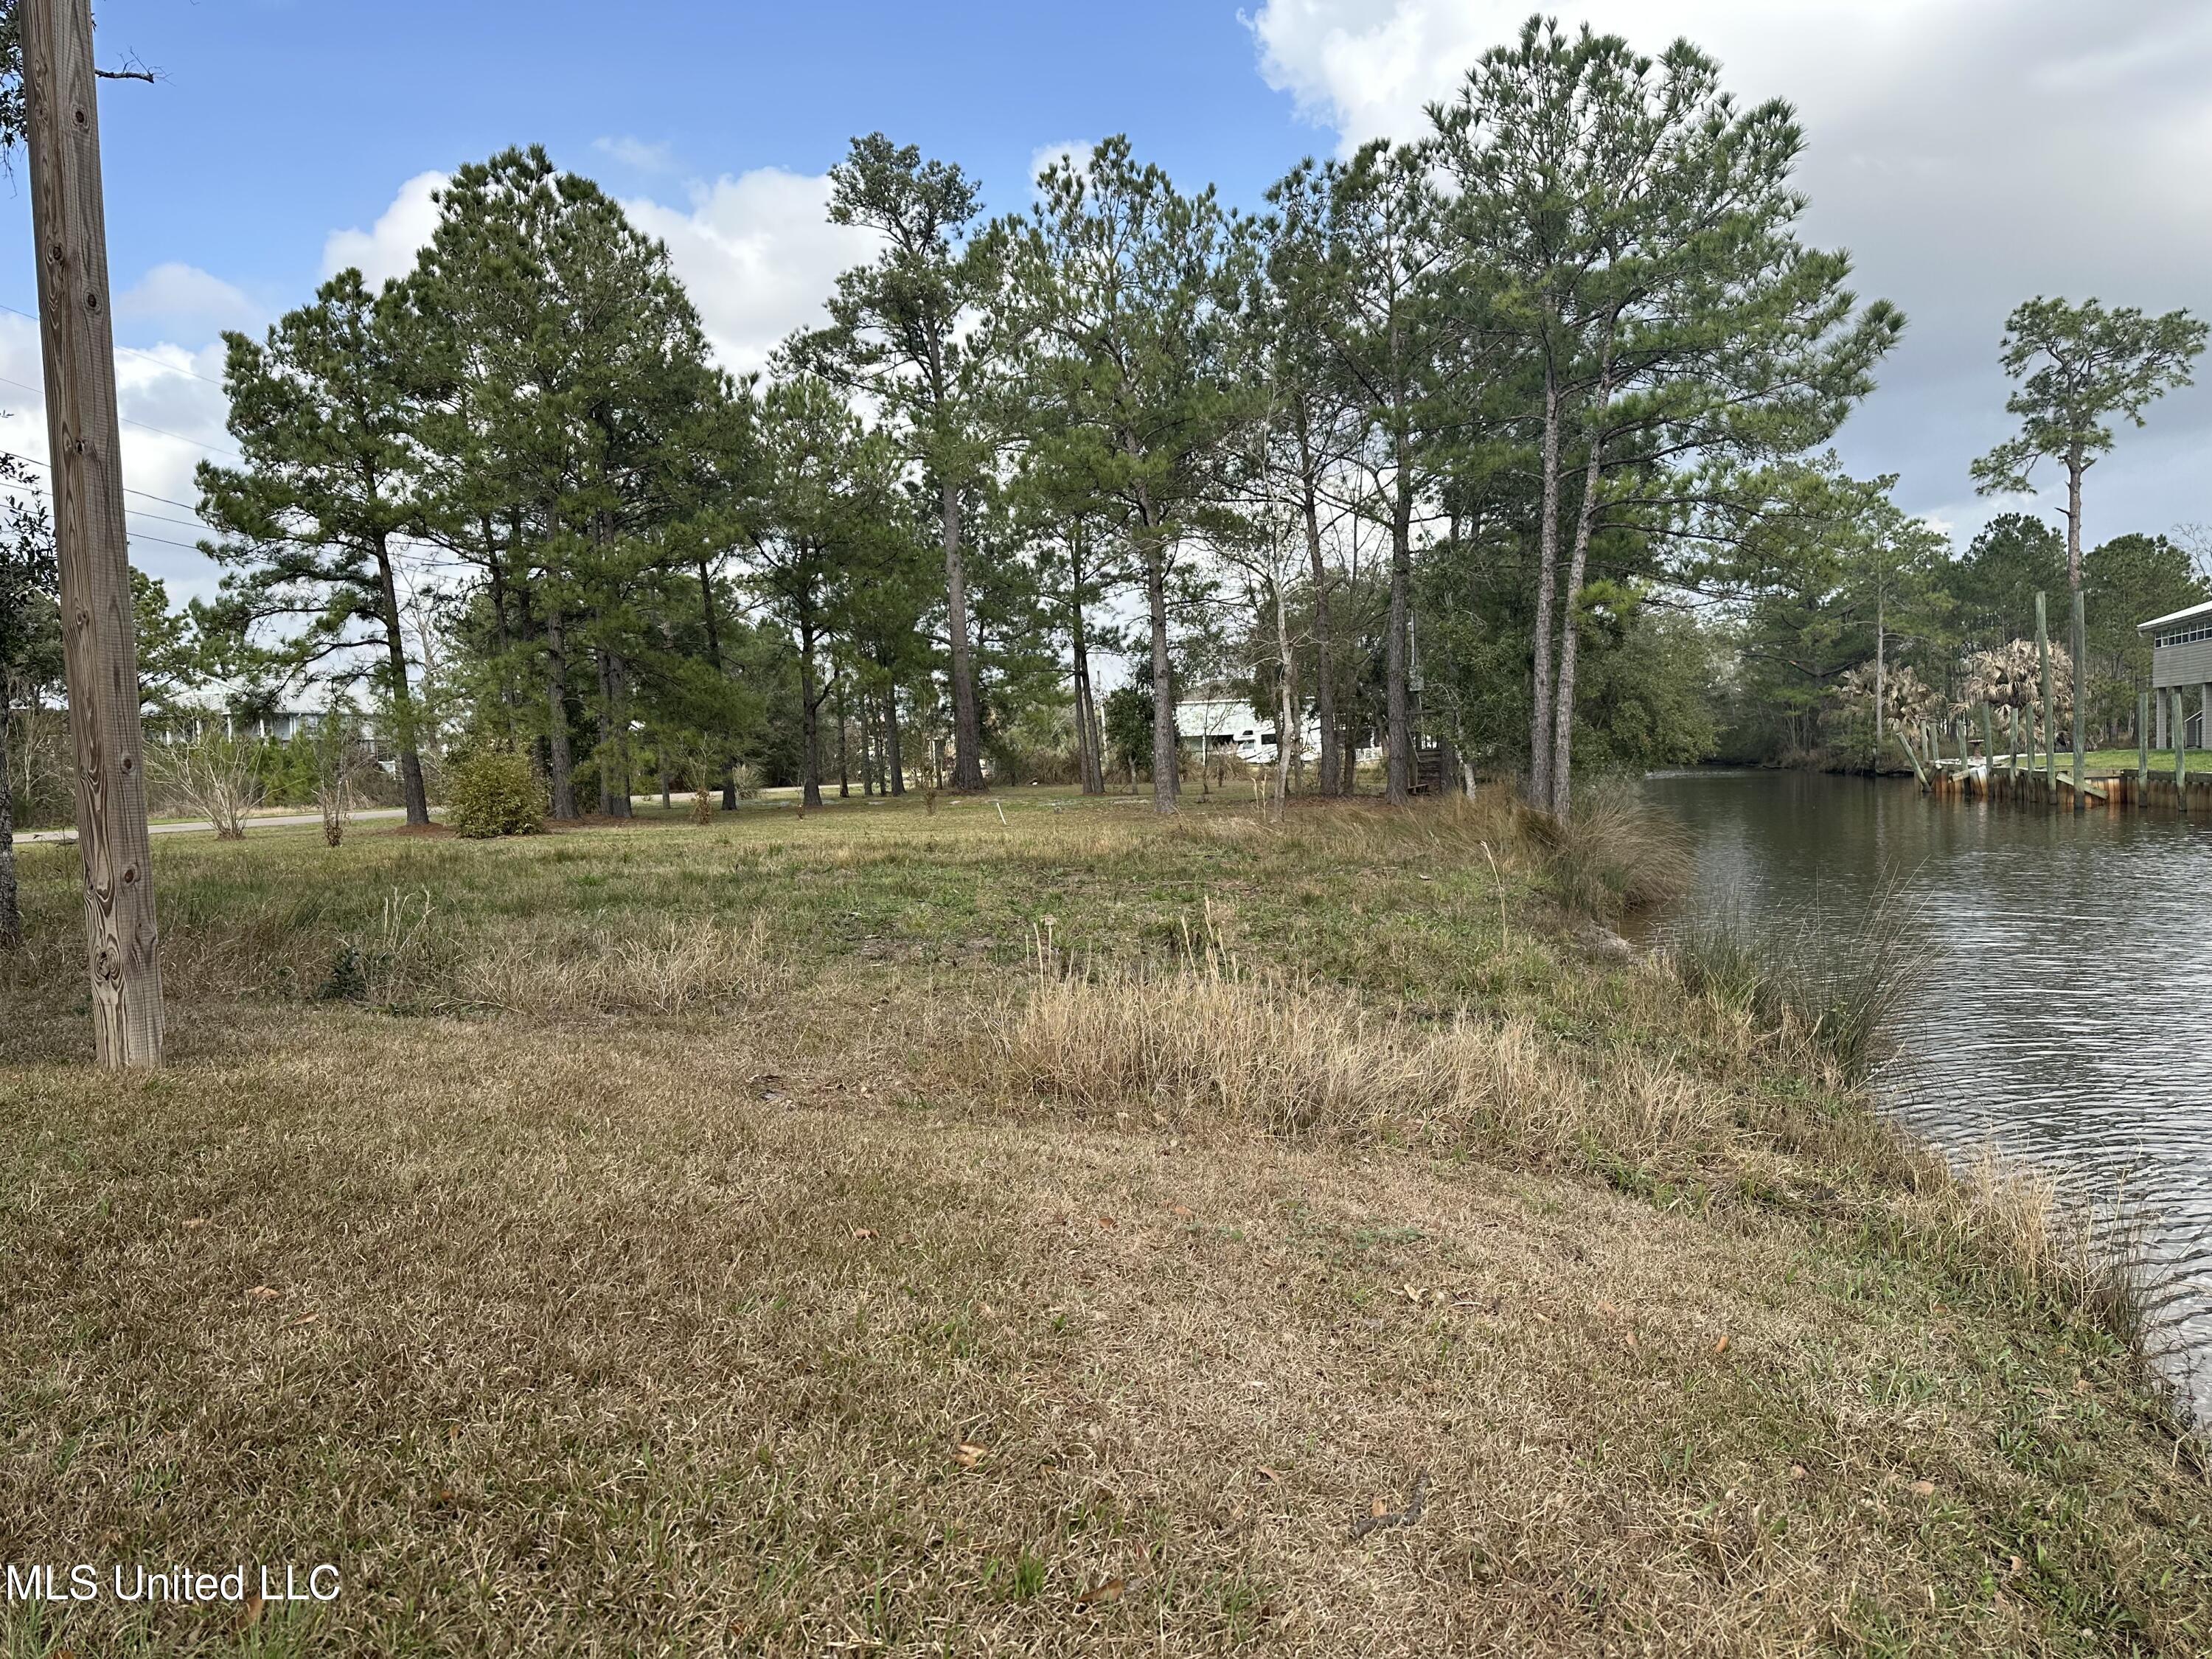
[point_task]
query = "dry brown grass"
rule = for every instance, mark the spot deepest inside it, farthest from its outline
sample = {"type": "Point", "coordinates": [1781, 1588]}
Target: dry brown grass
{"type": "Point", "coordinates": [1210, 1044]}
{"type": "Point", "coordinates": [665, 1333]}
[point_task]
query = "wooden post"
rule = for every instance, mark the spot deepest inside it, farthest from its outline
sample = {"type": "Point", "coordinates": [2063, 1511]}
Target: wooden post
{"type": "Point", "coordinates": [1906, 743]}
{"type": "Point", "coordinates": [1989, 753]}
{"type": "Point", "coordinates": [2178, 719]}
{"type": "Point", "coordinates": [2142, 747]}
{"type": "Point", "coordinates": [100, 648]}
{"type": "Point", "coordinates": [2049, 731]}
{"type": "Point", "coordinates": [2081, 702]}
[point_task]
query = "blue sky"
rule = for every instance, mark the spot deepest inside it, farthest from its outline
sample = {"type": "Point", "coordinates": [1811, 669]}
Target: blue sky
{"type": "Point", "coordinates": [280, 122]}
{"type": "Point", "coordinates": [1969, 152]}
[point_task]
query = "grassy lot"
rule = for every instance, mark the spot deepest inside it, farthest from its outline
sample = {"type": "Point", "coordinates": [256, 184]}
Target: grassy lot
{"type": "Point", "coordinates": [2098, 761]}
{"type": "Point", "coordinates": [908, 1232]}
{"type": "Point", "coordinates": [2123, 760]}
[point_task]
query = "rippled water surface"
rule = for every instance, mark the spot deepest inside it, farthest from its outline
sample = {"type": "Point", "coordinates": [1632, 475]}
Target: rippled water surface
{"type": "Point", "coordinates": [2068, 1018]}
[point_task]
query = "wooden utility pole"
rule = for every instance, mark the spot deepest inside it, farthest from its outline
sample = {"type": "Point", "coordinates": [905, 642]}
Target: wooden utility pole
{"type": "Point", "coordinates": [100, 646]}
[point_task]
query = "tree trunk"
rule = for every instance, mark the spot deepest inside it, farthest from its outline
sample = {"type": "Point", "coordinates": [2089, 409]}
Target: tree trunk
{"type": "Point", "coordinates": [1167, 781]}
{"type": "Point", "coordinates": [2073, 470]}
{"type": "Point", "coordinates": [417, 798]}
{"type": "Point", "coordinates": [1398, 788]}
{"type": "Point", "coordinates": [810, 723]}
{"type": "Point", "coordinates": [1562, 735]}
{"type": "Point", "coordinates": [1547, 565]}
{"type": "Point", "coordinates": [1089, 762]}
{"type": "Point", "coordinates": [894, 756]}
{"type": "Point", "coordinates": [715, 656]}
{"type": "Point", "coordinates": [844, 774]}
{"type": "Point", "coordinates": [605, 755]}
{"type": "Point", "coordinates": [966, 715]}
{"type": "Point", "coordinates": [494, 566]}
{"type": "Point", "coordinates": [561, 765]}
{"type": "Point", "coordinates": [1324, 649]}
{"type": "Point", "coordinates": [625, 771]}
{"type": "Point", "coordinates": [11, 910]}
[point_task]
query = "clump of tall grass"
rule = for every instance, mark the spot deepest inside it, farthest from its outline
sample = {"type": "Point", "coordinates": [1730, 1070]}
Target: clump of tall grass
{"type": "Point", "coordinates": [674, 969]}
{"type": "Point", "coordinates": [1611, 856]}
{"type": "Point", "coordinates": [408, 959]}
{"type": "Point", "coordinates": [1210, 1043]}
{"type": "Point", "coordinates": [1838, 987]}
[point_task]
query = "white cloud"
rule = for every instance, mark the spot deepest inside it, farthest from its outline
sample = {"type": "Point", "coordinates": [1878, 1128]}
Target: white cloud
{"type": "Point", "coordinates": [1969, 153]}
{"type": "Point", "coordinates": [637, 153]}
{"type": "Point", "coordinates": [155, 387]}
{"type": "Point", "coordinates": [177, 292]}
{"type": "Point", "coordinates": [756, 252]}
{"type": "Point", "coordinates": [387, 248]}
{"type": "Point", "coordinates": [1074, 151]}
{"type": "Point", "coordinates": [759, 255]}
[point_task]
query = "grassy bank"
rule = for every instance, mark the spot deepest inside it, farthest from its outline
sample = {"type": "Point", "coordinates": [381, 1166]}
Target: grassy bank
{"type": "Point", "coordinates": [2123, 760]}
{"type": "Point", "coordinates": [941, 1232]}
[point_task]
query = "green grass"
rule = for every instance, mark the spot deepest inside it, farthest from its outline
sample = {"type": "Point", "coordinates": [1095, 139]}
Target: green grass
{"type": "Point", "coordinates": [881, 1232]}
{"type": "Point", "coordinates": [2103, 761]}
{"type": "Point", "coordinates": [2123, 760]}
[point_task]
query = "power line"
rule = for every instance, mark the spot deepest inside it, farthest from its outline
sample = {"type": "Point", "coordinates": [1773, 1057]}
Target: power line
{"type": "Point", "coordinates": [132, 512]}
{"type": "Point", "coordinates": [213, 449]}
{"type": "Point", "coordinates": [165, 501]}
{"type": "Point", "coordinates": [196, 523]}
{"type": "Point", "coordinates": [17, 311]}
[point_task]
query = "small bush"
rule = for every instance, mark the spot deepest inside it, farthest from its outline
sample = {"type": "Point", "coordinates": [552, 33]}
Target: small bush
{"type": "Point", "coordinates": [494, 794]}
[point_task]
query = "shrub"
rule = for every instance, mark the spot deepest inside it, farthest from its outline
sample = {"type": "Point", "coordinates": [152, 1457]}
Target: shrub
{"type": "Point", "coordinates": [213, 775]}
{"type": "Point", "coordinates": [494, 794]}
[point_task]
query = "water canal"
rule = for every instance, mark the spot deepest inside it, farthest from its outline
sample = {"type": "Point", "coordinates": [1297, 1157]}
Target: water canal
{"type": "Point", "coordinates": [2067, 1018]}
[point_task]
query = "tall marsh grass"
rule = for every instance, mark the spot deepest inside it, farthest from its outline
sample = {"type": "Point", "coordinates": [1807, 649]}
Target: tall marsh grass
{"type": "Point", "coordinates": [1839, 987]}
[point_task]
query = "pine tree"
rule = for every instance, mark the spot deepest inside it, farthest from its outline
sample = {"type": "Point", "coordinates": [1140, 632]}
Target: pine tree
{"type": "Point", "coordinates": [1642, 234]}
{"type": "Point", "coordinates": [1127, 293]}
{"type": "Point", "coordinates": [571, 383]}
{"type": "Point", "coordinates": [902, 328]}
{"type": "Point", "coordinates": [2079, 367]}
{"type": "Point", "coordinates": [313, 523]}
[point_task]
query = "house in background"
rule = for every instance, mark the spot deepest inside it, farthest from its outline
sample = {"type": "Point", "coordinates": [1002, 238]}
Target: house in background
{"type": "Point", "coordinates": [1209, 726]}
{"type": "Point", "coordinates": [2180, 672]}
{"type": "Point", "coordinates": [240, 710]}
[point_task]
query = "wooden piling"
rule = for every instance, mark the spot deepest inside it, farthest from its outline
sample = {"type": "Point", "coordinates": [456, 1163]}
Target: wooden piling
{"type": "Point", "coordinates": [2180, 723]}
{"type": "Point", "coordinates": [2049, 731]}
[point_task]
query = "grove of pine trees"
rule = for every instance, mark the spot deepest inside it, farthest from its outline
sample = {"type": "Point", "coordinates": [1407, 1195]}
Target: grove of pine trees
{"type": "Point", "coordinates": [1509, 442]}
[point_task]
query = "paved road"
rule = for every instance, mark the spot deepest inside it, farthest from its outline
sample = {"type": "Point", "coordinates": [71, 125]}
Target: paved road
{"type": "Point", "coordinates": [283, 821]}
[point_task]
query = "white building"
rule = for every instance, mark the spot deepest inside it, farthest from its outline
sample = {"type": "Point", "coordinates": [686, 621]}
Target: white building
{"type": "Point", "coordinates": [1225, 725]}
{"type": "Point", "coordinates": [211, 701]}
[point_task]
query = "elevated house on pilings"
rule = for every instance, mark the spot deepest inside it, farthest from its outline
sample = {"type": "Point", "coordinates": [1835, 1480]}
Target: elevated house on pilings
{"type": "Point", "coordinates": [2180, 675]}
